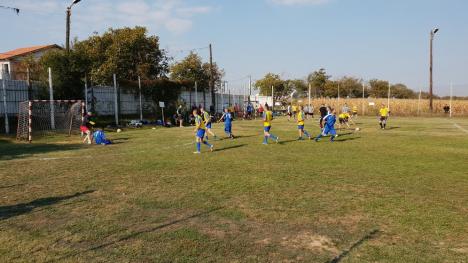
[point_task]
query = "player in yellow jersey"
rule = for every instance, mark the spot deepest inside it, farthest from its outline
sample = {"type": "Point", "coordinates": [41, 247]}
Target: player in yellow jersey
{"type": "Point", "coordinates": [343, 118]}
{"type": "Point", "coordinates": [384, 112]}
{"type": "Point", "coordinates": [300, 123]}
{"type": "Point", "coordinates": [200, 132]}
{"type": "Point", "coordinates": [207, 119]}
{"type": "Point", "coordinates": [267, 118]}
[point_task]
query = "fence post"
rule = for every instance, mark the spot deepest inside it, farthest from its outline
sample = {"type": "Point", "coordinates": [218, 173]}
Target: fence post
{"type": "Point", "coordinates": [51, 98]}
{"type": "Point", "coordinates": [86, 93]}
{"type": "Point", "coordinates": [141, 105]}
{"type": "Point", "coordinates": [116, 103]}
{"type": "Point", "coordinates": [7, 124]}
{"type": "Point", "coordinates": [196, 94]}
{"type": "Point", "coordinates": [451, 95]}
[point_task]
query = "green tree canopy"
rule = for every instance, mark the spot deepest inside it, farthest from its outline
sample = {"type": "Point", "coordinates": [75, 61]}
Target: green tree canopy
{"type": "Point", "coordinates": [318, 80]}
{"type": "Point", "coordinates": [192, 68]}
{"type": "Point", "coordinates": [272, 80]}
{"type": "Point", "coordinates": [127, 52]}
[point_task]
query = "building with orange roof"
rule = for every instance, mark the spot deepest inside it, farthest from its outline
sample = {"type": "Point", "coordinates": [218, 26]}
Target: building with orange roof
{"type": "Point", "coordinates": [10, 61]}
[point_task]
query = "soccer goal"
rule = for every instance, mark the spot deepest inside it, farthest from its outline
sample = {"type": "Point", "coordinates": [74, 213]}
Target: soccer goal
{"type": "Point", "coordinates": [44, 118]}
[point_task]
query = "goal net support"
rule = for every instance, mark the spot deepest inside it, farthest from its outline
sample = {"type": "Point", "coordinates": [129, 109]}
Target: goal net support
{"type": "Point", "coordinates": [38, 118]}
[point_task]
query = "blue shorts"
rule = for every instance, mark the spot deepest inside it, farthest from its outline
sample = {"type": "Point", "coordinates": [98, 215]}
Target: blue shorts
{"type": "Point", "coordinates": [267, 128]}
{"type": "Point", "coordinates": [208, 125]}
{"type": "Point", "coordinates": [201, 133]}
{"type": "Point", "coordinates": [329, 130]}
{"type": "Point", "coordinates": [228, 128]}
{"type": "Point", "coordinates": [300, 127]}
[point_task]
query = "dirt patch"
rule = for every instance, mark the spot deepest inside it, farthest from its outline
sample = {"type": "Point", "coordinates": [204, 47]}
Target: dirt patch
{"type": "Point", "coordinates": [310, 241]}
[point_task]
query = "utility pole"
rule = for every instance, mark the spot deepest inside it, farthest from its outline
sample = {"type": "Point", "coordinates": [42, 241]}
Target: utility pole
{"type": "Point", "coordinates": [431, 62]}
{"type": "Point", "coordinates": [67, 37]}
{"type": "Point", "coordinates": [213, 95]}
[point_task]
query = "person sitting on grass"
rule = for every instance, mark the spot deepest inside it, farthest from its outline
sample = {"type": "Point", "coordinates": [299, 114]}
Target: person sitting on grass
{"type": "Point", "coordinates": [200, 132]}
{"type": "Point", "coordinates": [300, 124]}
{"type": "Point", "coordinates": [86, 126]}
{"type": "Point", "coordinates": [227, 118]}
{"type": "Point", "coordinates": [329, 126]}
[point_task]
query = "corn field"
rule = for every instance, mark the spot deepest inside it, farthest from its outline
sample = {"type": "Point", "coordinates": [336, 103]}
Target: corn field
{"type": "Point", "coordinates": [398, 107]}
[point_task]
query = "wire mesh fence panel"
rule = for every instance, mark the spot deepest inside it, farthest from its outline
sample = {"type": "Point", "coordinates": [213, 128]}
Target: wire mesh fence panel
{"type": "Point", "coordinates": [45, 118]}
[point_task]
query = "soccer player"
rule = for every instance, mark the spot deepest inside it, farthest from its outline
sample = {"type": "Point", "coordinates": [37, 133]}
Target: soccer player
{"type": "Point", "coordinates": [323, 112]}
{"type": "Point", "coordinates": [207, 119]}
{"type": "Point", "coordinates": [86, 126]}
{"type": "Point", "coordinates": [329, 127]}
{"type": "Point", "coordinates": [289, 110]}
{"type": "Point", "coordinates": [267, 118]}
{"type": "Point", "coordinates": [300, 124]}
{"type": "Point", "coordinates": [227, 118]}
{"type": "Point", "coordinates": [355, 111]}
{"type": "Point", "coordinates": [200, 132]}
{"type": "Point", "coordinates": [384, 113]}
{"type": "Point", "coordinates": [343, 119]}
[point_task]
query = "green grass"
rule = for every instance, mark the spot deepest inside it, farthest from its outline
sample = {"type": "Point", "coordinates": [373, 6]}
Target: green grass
{"type": "Point", "coordinates": [148, 198]}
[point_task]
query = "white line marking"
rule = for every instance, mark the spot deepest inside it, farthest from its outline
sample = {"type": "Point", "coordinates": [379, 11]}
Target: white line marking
{"type": "Point", "coordinates": [460, 127]}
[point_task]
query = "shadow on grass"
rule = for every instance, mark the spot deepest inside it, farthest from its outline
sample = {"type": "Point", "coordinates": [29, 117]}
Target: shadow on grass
{"type": "Point", "coordinates": [230, 147]}
{"type": "Point", "coordinates": [11, 186]}
{"type": "Point", "coordinates": [138, 233]}
{"type": "Point", "coordinates": [10, 150]}
{"type": "Point", "coordinates": [7, 212]}
{"type": "Point", "coordinates": [347, 139]}
{"type": "Point", "coordinates": [343, 254]}
{"type": "Point", "coordinates": [393, 128]}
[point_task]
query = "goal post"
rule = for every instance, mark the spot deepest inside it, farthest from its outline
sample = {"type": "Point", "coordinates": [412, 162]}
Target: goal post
{"type": "Point", "coordinates": [49, 117]}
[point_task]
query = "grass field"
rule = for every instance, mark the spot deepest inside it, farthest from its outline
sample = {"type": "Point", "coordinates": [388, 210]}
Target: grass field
{"type": "Point", "coordinates": [399, 195]}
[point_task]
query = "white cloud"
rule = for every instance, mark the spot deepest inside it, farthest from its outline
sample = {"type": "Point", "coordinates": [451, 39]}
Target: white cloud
{"type": "Point", "coordinates": [175, 16]}
{"type": "Point", "coordinates": [298, 2]}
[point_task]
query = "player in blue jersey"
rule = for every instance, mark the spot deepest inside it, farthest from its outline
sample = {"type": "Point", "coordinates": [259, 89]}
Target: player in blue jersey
{"type": "Point", "coordinates": [267, 118]}
{"type": "Point", "coordinates": [207, 119]}
{"type": "Point", "coordinates": [200, 132]}
{"type": "Point", "coordinates": [227, 118]}
{"type": "Point", "coordinates": [329, 127]}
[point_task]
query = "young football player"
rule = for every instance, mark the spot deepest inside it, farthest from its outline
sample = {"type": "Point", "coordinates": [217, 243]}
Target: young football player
{"type": "Point", "coordinates": [227, 118]}
{"type": "Point", "coordinates": [267, 118]}
{"type": "Point", "coordinates": [329, 126]}
{"type": "Point", "coordinates": [384, 113]}
{"type": "Point", "coordinates": [200, 132]}
{"type": "Point", "coordinates": [300, 123]}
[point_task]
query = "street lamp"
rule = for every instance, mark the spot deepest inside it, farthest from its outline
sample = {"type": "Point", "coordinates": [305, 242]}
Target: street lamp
{"type": "Point", "coordinates": [431, 60]}
{"type": "Point", "coordinates": [67, 43]}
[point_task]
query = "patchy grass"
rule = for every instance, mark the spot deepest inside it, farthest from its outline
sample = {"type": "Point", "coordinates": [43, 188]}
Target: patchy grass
{"type": "Point", "coordinates": [149, 199]}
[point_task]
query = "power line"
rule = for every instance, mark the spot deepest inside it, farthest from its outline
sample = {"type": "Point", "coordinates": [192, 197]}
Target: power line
{"type": "Point", "coordinates": [11, 8]}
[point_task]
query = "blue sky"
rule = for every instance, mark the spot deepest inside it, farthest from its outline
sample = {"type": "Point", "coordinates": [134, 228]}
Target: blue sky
{"type": "Point", "coordinates": [362, 38]}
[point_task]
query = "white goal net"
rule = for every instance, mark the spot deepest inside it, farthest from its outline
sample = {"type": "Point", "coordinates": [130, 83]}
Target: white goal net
{"type": "Point", "coordinates": [39, 118]}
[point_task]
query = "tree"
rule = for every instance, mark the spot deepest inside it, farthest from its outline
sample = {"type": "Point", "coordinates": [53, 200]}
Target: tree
{"type": "Point", "coordinates": [127, 52]}
{"type": "Point", "coordinates": [68, 71]}
{"type": "Point", "coordinates": [273, 80]}
{"type": "Point", "coordinates": [401, 91]}
{"type": "Point", "coordinates": [378, 88]}
{"type": "Point", "coordinates": [298, 85]}
{"type": "Point", "coordinates": [192, 69]}
{"type": "Point", "coordinates": [350, 87]}
{"type": "Point", "coordinates": [318, 80]}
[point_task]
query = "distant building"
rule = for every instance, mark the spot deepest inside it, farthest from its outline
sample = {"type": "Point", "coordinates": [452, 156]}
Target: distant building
{"type": "Point", "coordinates": [10, 61]}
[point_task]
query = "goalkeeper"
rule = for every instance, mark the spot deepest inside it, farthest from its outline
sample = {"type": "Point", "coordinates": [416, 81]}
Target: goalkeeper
{"type": "Point", "coordinates": [86, 126]}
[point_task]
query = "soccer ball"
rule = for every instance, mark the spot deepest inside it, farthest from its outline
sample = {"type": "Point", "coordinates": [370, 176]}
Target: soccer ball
{"type": "Point", "coordinates": [358, 129]}
{"type": "Point", "coordinates": [119, 130]}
